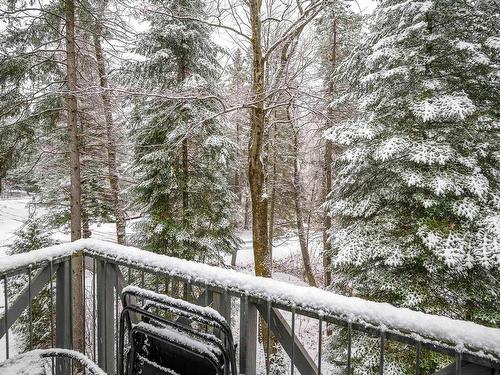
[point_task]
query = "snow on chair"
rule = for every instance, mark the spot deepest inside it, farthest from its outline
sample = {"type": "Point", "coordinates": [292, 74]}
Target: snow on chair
{"type": "Point", "coordinates": [160, 344]}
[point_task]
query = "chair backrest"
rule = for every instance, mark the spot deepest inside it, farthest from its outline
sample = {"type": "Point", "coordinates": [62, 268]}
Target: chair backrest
{"type": "Point", "coordinates": [161, 322]}
{"type": "Point", "coordinates": [171, 345]}
{"type": "Point", "coordinates": [203, 315]}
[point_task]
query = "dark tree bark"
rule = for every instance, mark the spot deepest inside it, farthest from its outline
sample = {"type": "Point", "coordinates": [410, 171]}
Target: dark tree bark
{"type": "Point", "coordinates": [76, 189]}
{"type": "Point", "coordinates": [256, 176]}
{"type": "Point", "coordinates": [114, 180]}
{"type": "Point", "coordinates": [185, 172]}
{"type": "Point", "coordinates": [297, 195]}
{"type": "Point", "coordinates": [237, 172]}
{"type": "Point", "coordinates": [246, 220]}
{"type": "Point", "coordinates": [272, 189]}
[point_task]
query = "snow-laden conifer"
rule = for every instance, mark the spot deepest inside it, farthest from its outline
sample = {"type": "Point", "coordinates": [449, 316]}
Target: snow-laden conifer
{"type": "Point", "coordinates": [180, 149]}
{"type": "Point", "coordinates": [415, 204]}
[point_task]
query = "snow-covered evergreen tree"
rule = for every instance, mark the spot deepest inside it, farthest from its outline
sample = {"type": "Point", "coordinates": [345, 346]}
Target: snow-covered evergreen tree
{"type": "Point", "coordinates": [416, 201]}
{"type": "Point", "coordinates": [32, 236]}
{"type": "Point", "coordinates": [33, 120]}
{"type": "Point", "coordinates": [181, 153]}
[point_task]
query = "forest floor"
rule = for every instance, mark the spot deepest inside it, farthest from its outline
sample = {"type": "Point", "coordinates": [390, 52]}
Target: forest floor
{"type": "Point", "coordinates": [14, 212]}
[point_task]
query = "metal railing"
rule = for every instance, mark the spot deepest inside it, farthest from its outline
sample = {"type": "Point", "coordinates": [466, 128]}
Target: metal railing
{"type": "Point", "coordinates": [108, 272]}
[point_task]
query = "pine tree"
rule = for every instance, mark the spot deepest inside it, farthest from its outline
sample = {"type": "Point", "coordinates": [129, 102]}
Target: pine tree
{"type": "Point", "coordinates": [33, 112]}
{"type": "Point", "coordinates": [32, 236]}
{"type": "Point", "coordinates": [338, 28]}
{"type": "Point", "coordinates": [416, 201]}
{"type": "Point", "coordinates": [180, 151]}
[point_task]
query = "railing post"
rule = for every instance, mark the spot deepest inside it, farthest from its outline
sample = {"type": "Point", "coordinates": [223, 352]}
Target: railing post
{"type": "Point", "coordinates": [222, 303]}
{"type": "Point", "coordinates": [63, 315]}
{"type": "Point", "coordinates": [106, 280]}
{"type": "Point", "coordinates": [248, 337]}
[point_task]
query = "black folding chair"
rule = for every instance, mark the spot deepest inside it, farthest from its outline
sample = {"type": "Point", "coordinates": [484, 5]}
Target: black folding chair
{"type": "Point", "coordinates": [160, 351]}
{"type": "Point", "coordinates": [170, 355]}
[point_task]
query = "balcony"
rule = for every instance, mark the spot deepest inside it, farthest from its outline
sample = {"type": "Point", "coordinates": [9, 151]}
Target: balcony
{"type": "Point", "coordinates": [241, 298]}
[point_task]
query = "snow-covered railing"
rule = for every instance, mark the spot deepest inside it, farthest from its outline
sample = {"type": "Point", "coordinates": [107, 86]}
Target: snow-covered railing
{"type": "Point", "coordinates": [111, 267]}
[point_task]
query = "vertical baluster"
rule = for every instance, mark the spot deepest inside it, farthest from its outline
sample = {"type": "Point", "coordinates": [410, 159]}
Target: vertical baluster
{"type": "Point", "coordinates": [458, 366]}
{"type": "Point", "coordinates": [382, 344]}
{"type": "Point", "coordinates": [84, 306]}
{"type": "Point", "coordinates": [51, 283]}
{"type": "Point", "coordinates": [187, 287]}
{"type": "Point", "coordinates": [105, 311]}
{"type": "Point", "coordinates": [320, 342]}
{"type": "Point", "coordinates": [293, 342]}
{"type": "Point", "coordinates": [166, 285]}
{"type": "Point", "coordinates": [268, 343]}
{"type": "Point", "coordinates": [94, 324]}
{"type": "Point", "coordinates": [227, 305]}
{"type": "Point", "coordinates": [418, 348]}
{"type": "Point", "coordinates": [248, 336]}
{"type": "Point", "coordinates": [157, 283]}
{"type": "Point", "coordinates": [349, 347]}
{"type": "Point", "coordinates": [70, 262]}
{"type": "Point", "coordinates": [142, 280]}
{"type": "Point", "coordinates": [129, 275]}
{"type": "Point", "coordinates": [30, 310]}
{"type": "Point", "coordinates": [6, 315]}
{"type": "Point", "coordinates": [206, 302]}
{"type": "Point", "coordinates": [117, 334]}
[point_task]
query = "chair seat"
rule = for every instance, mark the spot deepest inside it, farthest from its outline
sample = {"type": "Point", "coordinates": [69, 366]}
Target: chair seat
{"type": "Point", "coordinates": [159, 351]}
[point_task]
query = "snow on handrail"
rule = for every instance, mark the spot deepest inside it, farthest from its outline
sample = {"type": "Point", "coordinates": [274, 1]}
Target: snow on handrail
{"type": "Point", "coordinates": [455, 333]}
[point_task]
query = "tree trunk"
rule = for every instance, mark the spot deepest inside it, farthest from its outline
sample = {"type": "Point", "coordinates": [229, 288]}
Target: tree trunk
{"type": "Point", "coordinates": [185, 172]}
{"type": "Point", "coordinates": [86, 232]}
{"type": "Point", "coordinates": [237, 172]}
{"type": "Point", "coordinates": [327, 169]}
{"type": "Point", "coordinates": [256, 175]}
{"type": "Point", "coordinates": [246, 221]}
{"type": "Point", "coordinates": [327, 220]}
{"type": "Point", "coordinates": [272, 188]}
{"type": "Point", "coordinates": [74, 153]}
{"type": "Point", "coordinates": [299, 211]}
{"type": "Point", "coordinates": [181, 77]}
{"type": "Point", "coordinates": [114, 181]}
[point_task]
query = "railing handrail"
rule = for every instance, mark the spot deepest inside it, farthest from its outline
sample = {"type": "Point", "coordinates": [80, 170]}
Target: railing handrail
{"type": "Point", "coordinates": [458, 335]}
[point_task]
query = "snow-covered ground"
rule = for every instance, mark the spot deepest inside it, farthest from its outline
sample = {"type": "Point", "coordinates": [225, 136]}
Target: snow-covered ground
{"type": "Point", "coordinates": [14, 212]}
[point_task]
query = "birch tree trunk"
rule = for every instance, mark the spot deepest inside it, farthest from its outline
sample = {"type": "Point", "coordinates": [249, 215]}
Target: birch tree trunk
{"type": "Point", "coordinates": [114, 180]}
{"type": "Point", "coordinates": [76, 189]}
